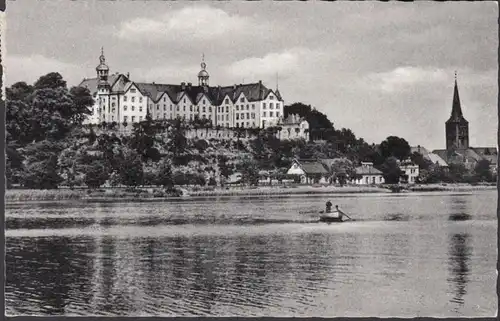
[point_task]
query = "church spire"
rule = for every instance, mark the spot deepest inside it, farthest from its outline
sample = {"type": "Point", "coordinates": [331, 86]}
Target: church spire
{"type": "Point", "coordinates": [203, 74]}
{"type": "Point", "coordinates": [456, 109]}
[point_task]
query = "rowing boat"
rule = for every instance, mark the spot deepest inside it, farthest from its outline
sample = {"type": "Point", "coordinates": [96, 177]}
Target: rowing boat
{"type": "Point", "coordinates": [331, 217]}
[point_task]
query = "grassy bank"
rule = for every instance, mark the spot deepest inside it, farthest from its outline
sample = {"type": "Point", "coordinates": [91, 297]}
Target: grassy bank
{"type": "Point", "coordinates": [24, 195]}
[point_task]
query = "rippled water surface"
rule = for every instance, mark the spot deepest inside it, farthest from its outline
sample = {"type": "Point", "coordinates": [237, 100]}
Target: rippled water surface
{"type": "Point", "coordinates": [429, 254]}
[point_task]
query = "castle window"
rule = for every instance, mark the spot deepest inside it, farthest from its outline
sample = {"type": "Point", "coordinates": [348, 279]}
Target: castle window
{"type": "Point", "coordinates": [164, 115]}
{"type": "Point", "coordinates": [198, 109]}
{"type": "Point", "coordinates": [226, 101]}
{"type": "Point", "coordinates": [140, 118]}
{"type": "Point", "coordinates": [248, 115]}
{"type": "Point", "coordinates": [133, 108]}
{"type": "Point", "coordinates": [277, 114]}
{"type": "Point", "coordinates": [204, 109]}
{"type": "Point", "coordinates": [113, 104]}
{"type": "Point", "coordinates": [191, 108]}
{"type": "Point", "coordinates": [271, 97]}
{"type": "Point", "coordinates": [177, 108]}
{"type": "Point", "coordinates": [124, 98]}
{"type": "Point", "coordinates": [218, 117]}
{"type": "Point", "coordinates": [248, 124]}
{"type": "Point", "coordinates": [270, 114]}
{"type": "Point", "coordinates": [271, 106]}
{"type": "Point", "coordinates": [133, 99]}
{"type": "Point", "coordinates": [242, 99]}
{"type": "Point", "coordinates": [210, 117]}
{"type": "Point", "coordinates": [157, 107]}
{"type": "Point", "coordinates": [184, 100]}
{"type": "Point", "coordinates": [253, 106]}
{"type": "Point", "coordinates": [203, 101]}
{"type": "Point", "coordinates": [140, 99]}
{"type": "Point", "coordinates": [242, 116]}
{"type": "Point", "coordinates": [170, 107]}
{"type": "Point", "coordinates": [114, 109]}
{"type": "Point", "coordinates": [140, 109]}
{"type": "Point", "coordinates": [183, 108]}
{"type": "Point", "coordinates": [277, 105]}
{"type": "Point", "coordinates": [264, 114]}
{"type": "Point", "coordinates": [164, 107]}
{"type": "Point", "coordinates": [237, 108]}
{"type": "Point", "coordinates": [133, 118]}
{"type": "Point", "coordinates": [210, 109]}
{"type": "Point", "coordinates": [227, 117]}
{"type": "Point", "coordinates": [164, 98]}
{"type": "Point", "coordinates": [253, 115]}
{"type": "Point", "coordinates": [132, 90]}
{"type": "Point", "coordinates": [263, 105]}
{"type": "Point", "coordinates": [124, 119]}
{"type": "Point", "coordinates": [227, 109]}
{"type": "Point", "coordinates": [238, 116]}
{"type": "Point", "coordinates": [248, 107]}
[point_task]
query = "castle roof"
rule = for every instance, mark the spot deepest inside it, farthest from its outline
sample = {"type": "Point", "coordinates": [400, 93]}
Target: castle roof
{"type": "Point", "coordinates": [216, 94]}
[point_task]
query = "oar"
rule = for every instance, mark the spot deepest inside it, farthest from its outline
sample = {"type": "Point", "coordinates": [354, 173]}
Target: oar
{"type": "Point", "coordinates": [311, 212]}
{"type": "Point", "coordinates": [347, 216]}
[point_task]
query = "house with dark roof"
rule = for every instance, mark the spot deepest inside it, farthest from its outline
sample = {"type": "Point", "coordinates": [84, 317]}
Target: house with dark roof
{"type": "Point", "coordinates": [121, 100]}
{"type": "Point", "coordinates": [368, 175]}
{"type": "Point", "coordinates": [309, 171]}
{"type": "Point", "coordinates": [457, 149]}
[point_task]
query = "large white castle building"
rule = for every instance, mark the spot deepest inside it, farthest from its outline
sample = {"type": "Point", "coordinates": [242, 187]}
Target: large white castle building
{"type": "Point", "coordinates": [121, 100]}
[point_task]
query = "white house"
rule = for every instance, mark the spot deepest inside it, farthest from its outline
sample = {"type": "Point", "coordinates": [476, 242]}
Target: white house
{"type": "Point", "coordinates": [367, 175]}
{"type": "Point", "coordinates": [410, 171]}
{"type": "Point", "coordinates": [118, 99]}
{"type": "Point", "coordinates": [309, 171]}
{"type": "Point", "coordinates": [293, 127]}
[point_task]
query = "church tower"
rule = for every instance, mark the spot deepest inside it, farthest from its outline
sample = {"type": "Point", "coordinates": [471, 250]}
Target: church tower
{"type": "Point", "coordinates": [457, 128]}
{"type": "Point", "coordinates": [103, 87]}
{"type": "Point", "coordinates": [203, 74]}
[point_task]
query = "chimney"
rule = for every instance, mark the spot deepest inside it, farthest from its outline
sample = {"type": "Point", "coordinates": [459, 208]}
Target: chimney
{"type": "Point", "coordinates": [183, 85]}
{"type": "Point", "coordinates": [189, 85]}
{"type": "Point", "coordinates": [128, 75]}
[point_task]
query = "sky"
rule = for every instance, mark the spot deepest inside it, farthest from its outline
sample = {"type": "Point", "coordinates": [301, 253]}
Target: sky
{"type": "Point", "coordinates": [380, 69]}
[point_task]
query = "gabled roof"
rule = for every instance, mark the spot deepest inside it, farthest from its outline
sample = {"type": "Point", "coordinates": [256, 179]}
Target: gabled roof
{"type": "Point", "coordinates": [367, 170]}
{"type": "Point", "coordinates": [419, 149]}
{"type": "Point", "coordinates": [91, 83]}
{"type": "Point", "coordinates": [216, 95]}
{"type": "Point", "coordinates": [436, 159]}
{"type": "Point", "coordinates": [310, 166]}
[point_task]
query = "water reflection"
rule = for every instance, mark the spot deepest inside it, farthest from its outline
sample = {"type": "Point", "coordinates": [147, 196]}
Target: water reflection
{"type": "Point", "coordinates": [458, 265]}
{"type": "Point", "coordinates": [459, 209]}
{"type": "Point", "coordinates": [259, 260]}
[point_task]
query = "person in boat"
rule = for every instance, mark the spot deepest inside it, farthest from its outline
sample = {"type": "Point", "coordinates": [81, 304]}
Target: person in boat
{"type": "Point", "coordinates": [339, 212]}
{"type": "Point", "coordinates": [328, 207]}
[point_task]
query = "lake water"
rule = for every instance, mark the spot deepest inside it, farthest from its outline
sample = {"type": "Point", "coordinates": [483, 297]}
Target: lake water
{"type": "Point", "coordinates": [431, 254]}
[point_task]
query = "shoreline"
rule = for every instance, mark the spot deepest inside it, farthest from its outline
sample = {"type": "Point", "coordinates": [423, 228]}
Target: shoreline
{"type": "Point", "coordinates": [13, 196]}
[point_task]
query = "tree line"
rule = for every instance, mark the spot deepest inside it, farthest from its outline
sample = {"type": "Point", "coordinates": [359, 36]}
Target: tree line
{"type": "Point", "coordinates": [48, 146]}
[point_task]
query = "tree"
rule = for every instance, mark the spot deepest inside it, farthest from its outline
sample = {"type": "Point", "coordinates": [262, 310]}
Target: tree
{"type": "Point", "coordinates": [396, 147]}
{"type": "Point", "coordinates": [131, 170]}
{"type": "Point", "coordinates": [52, 80]}
{"type": "Point", "coordinates": [482, 171]}
{"type": "Point", "coordinates": [96, 173]}
{"type": "Point", "coordinates": [249, 172]}
{"type": "Point", "coordinates": [164, 174]}
{"type": "Point", "coordinates": [418, 159]}
{"type": "Point", "coordinates": [41, 170]}
{"type": "Point", "coordinates": [391, 170]}
{"type": "Point", "coordinates": [342, 169]}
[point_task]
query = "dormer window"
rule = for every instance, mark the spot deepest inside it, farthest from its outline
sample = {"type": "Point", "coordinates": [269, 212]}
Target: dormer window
{"type": "Point", "coordinates": [203, 101]}
{"type": "Point", "coordinates": [242, 99]}
{"type": "Point", "coordinates": [184, 100]}
{"type": "Point", "coordinates": [133, 91]}
{"type": "Point", "coordinates": [226, 101]}
{"type": "Point", "coordinates": [271, 97]}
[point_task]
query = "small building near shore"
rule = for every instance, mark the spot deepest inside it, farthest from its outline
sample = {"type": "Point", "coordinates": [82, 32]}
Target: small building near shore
{"type": "Point", "coordinates": [366, 174]}
{"type": "Point", "coordinates": [410, 172]}
{"type": "Point", "coordinates": [309, 171]}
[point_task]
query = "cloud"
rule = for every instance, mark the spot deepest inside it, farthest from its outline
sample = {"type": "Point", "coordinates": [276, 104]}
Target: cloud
{"type": "Point", "coordinates": [30, 68]}
{"type": "Point", "coordinates": [188, 24]}
{"type": "Point", "coordinates": [403, 78]}
{"type": "Point", "coordinates": [284, 63]}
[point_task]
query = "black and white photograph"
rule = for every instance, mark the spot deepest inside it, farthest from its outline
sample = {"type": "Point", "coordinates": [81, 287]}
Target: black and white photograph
{"type": "Point", "coordinates": [250, 158]}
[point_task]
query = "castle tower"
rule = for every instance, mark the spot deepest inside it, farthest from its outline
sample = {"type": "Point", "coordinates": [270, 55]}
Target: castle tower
{"type": "Point", "coordinates": [457, 128]}
{"type": "Point", "coordinates": [203, 74]}
{"type": "Point", "coordinates": [103, 88]}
